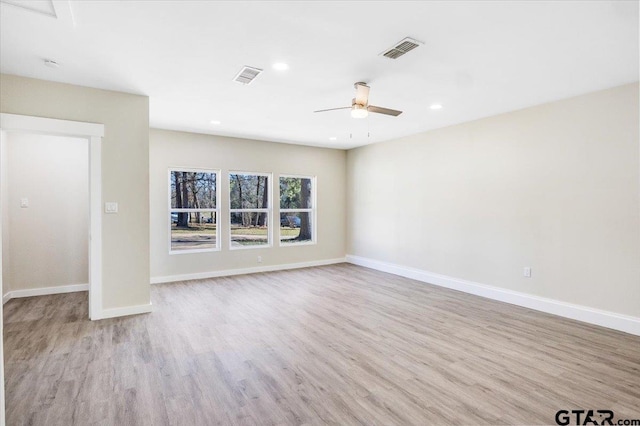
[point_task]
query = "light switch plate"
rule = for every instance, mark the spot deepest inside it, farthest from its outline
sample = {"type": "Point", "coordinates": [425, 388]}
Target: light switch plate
{"type": "Point", "coordinates": [24, 203]}
{"type": "Point", "coordinates": [111, 207]}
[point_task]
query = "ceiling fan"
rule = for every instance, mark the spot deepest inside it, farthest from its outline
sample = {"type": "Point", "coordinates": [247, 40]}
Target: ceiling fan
{"type": "Point", "coordinates": [360, 107]}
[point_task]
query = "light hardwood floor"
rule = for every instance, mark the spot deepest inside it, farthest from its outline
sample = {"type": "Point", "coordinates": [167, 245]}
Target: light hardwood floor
{"type": "Point", "coordinates": [330, 345]}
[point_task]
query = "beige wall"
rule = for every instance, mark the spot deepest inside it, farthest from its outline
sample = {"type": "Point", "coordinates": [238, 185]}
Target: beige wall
{"type": "Point", "coordinates": [48, 246]}
{"type": "Point", "coordinates": [179, 149]}
{"type": "Point", "coordinates": [125, 168]}
{"type": "Point", "coordinates": [554, 187]}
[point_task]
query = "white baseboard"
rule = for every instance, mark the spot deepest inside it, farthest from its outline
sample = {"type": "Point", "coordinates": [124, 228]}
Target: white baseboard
{"type": "Point", "coordinates": [626, 323]}
{"type": "Point", "coordinates": [127, 310]}
{"type": "Point", "coordinates": [106, 313]}
{"type": "Point", "coordinates": [242, 271]}
{"type": "Point", "coordinates": [43, 291]}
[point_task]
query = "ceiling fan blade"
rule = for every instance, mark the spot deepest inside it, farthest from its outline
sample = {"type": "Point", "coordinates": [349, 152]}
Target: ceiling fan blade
{"type": "Point", "coordinates": [385, 111]}
{"type": "Point", "coordinates": [362, 94]}
{"type": "Point", "coordinates": [332, 109]}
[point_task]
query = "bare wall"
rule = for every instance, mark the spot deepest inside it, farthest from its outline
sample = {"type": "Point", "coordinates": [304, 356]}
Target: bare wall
{"type": "Point", "coordinates": [189, 150]}
{"type": "Point", "coordinates": [48, 246]}
{"type": "Point", "coordinates": [125, 172]}
{"type": "Point", "coordinates": [555, 187]}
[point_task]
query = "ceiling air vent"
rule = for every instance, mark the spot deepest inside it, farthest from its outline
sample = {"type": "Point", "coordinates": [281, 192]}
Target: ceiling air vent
{"type": "Point", "coordinates": [247, 74]}
{"type": "Point", "coordinates": [402, 47]}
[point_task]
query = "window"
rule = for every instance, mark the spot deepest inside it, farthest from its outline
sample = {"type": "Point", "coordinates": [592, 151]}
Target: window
{"type": "Point", "coordinates": [297, 210]}
{"type": "Point", "coordinates": [249, 210]}
{"type": "Point", "coordinates": [194, 211]}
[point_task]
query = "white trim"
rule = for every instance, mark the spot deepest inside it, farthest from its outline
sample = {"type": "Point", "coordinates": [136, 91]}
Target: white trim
{"type": "Point", "coordinates": [49, 126]}
{"type": "Point", "coordinates": [621, 322]}
{"type": "Point", "coordinates": [95, 227]}
{"type": "Point", "coordinates": [127, 310]}
{"type": "Point", "coordinates": [42, 291]}
{"type": "Point", "coordinates": [236, 172]}
{"type": "Point", "coordinates": [252, 210]}
{"type": "Point", "coordinates": [297, 244]}
{"type": "Point", "coordinates": [192, 251]}
{"type": "Point", "coordinates": [93, 133]}
{"type": "Point", "coordinates": [242, 271]}
{"type": "Point", "coordinates": [106, 313]}
{"type": "Point", "coordinates": [193, 210]}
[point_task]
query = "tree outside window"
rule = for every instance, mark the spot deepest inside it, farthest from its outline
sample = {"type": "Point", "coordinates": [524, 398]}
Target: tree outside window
{"type": "Point", "coordinates": [249, 209]}
{"type": "Point", "coordinates": [194, 210]}
{"type": "Point", "coordinates": [297, 209]}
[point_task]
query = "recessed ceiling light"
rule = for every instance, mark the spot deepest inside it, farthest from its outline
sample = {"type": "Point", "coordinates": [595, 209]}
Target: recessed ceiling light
{"type": "Point", "coordinates": [333, 138]}
{"type": "Point", "coordinates": [436, 106]}
{"type": "Point", "coordinates": [215, 122]}
{"type": "Point", "coordinates": [280, 66]}
{"type": "Point", "coordinates": [51, 64]}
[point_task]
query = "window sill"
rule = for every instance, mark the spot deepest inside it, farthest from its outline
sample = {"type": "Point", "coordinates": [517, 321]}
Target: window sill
{"type": "Point", "coordinates": [172, 252]}
{"type": "Point", "coordinates": [306, 243]}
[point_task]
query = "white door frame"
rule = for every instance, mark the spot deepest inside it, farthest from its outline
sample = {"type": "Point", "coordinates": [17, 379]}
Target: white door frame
{"type": "Point", "coordinates": [94, 134]}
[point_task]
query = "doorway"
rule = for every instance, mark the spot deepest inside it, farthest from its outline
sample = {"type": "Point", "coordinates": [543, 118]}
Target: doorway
{"type": "Point", "coordinates": [11, 124]}
{"type": "Point", "coordinates": [45, 190]}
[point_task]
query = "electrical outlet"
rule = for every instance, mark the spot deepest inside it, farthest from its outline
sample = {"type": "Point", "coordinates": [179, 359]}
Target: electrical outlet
{"type": "Point", "coordinates": [24, 203]}
{"type": "Point", "coordinates": [527, 271]}
{"type": "Point", "coordinates": [259, 259]}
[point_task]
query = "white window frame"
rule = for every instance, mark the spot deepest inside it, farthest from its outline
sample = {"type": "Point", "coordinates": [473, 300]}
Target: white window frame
{"type": "Point", "coordinates": [268, 210]}
{"type": "Point", "coordinates": [313, 212]}
{"type": "Point", "coordinates": [216, 210]}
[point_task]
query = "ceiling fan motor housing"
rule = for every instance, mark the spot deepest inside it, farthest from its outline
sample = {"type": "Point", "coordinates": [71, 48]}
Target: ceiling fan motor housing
{"type": "Point", "coordinates": [354, 103]}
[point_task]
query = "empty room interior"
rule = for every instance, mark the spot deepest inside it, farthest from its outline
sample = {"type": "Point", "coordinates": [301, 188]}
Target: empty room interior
{"type": "Point", "coordinates": [319, 212]}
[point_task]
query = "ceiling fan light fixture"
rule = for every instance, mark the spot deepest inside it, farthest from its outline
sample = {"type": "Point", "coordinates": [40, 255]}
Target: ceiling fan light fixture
{"type": "Point", "coordinates": [360, 107]}
{"type": "Point", "coordinates": [359, 111]}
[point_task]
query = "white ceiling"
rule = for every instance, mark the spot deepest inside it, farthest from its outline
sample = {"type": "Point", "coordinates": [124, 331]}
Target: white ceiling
{"type": "Point", "coordinates": [478, 59]}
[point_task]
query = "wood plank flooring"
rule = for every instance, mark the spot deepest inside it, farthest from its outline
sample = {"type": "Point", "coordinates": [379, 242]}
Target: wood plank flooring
{"type": "Point", "coordinates": [337, 345]}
